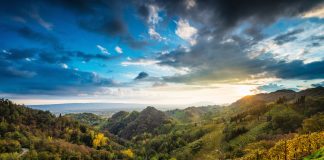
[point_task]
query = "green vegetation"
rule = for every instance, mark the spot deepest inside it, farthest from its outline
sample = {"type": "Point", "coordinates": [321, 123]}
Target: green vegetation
{"type": "Point", "coordinates": [280, 125]}
{"type": "Point", "coordinates": [127, 125]}
{"type": "Point", "coordinates": [87, 118]}
{"type": "Point", "coordinates": [43, 136]}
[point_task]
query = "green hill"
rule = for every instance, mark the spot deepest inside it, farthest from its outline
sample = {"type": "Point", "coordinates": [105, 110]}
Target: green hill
{"type": "Point", "coordinates": [193, 114]}
{"type": "Point", "coordinates": [243, 130]}
{"type": "Point", "coordinates": [127, 125]}
{"type": "Point", "coordinates": [34, 134]}
{"type": "Point", "coordinates": [88, 118]}
{"type": "Point", "coordinates": [280, 125]}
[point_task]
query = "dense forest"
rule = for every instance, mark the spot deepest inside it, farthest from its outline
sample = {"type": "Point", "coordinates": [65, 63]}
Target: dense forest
{"type": "Point", "coordinates": [283, 125]}
{"type": "Point", "coordinates": [34, 134]}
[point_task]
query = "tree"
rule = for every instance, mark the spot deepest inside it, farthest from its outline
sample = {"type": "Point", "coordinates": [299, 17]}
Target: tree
{"type": "Point", "coordinates": [314, 123]}
{"type": "Point", "coordinates": [285, 119]}
{"type": "Point", "coordinates": [281, 100]}
{"type": "Point", "coordinates": [99, 140]}
{"type": "Point", "coordinates": [128, 152]}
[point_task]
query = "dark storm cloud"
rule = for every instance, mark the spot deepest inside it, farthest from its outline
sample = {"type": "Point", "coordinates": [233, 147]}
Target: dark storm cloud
{"type": "Point", "coordinates": [228, 62]}
{"type": "Point", "coordinates": [297, 70]}
{"type": "Point", "coordinates": [141, 75]}
{"type": "Point", "coordinates": [39, 71]}
{"type": "Point", "coordinates": [228, 13]}
{"type": "Point", "coordinates": [39, 37]}
{"type": "Point", "coordinates": [35, 77]}
{"type": "Point", "coordinates": [254, 32]}
{"type": "Point", "coordinates": [10, 7]}
{"type": "Point", "coordinates": [82, 6]}
{"type": "Point", "coordinates": [287, 37]}
{"type": "Point", "coordinates": [53, 58]}
{"type": "Point", "coordinates": [209, 60]}
{"type": "Point", "coordinates": [224, 58]}
{"type": "Point", "coordinates": [143, 11]}
{"type": "Point", "coordinates": [104, 18]}
{"type": "Point", "coordinates": [110, 27]}
{"type": "Point", "coordinates": [314, 44]}
{"type": "Point", "coordinates": [321, 84]}
{"type": "Point", "coordinates": [318, 38]}
{"type": "Point", "coordinates": [19, 54]}
{"type": "Point", "coordinates": [133, 43]}
{"type": "Point", "coordinates": [35, 36]}
{"type": "Point", "coordinates": [97, 16]}
{"type": "Point", "coordinates": [87, 57]}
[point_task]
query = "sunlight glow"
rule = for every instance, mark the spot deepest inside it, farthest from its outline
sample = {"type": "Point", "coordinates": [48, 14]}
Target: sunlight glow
{"type": "Point", "coordinates": [245, 90]}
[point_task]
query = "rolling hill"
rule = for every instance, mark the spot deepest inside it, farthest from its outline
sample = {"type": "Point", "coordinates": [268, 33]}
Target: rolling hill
{"type": "Point", "coordinates": [280, 125]}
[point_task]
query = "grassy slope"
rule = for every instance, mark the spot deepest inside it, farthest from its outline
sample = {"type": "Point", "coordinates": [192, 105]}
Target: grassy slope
{"type": "Point", "coordinates": [211, 143]}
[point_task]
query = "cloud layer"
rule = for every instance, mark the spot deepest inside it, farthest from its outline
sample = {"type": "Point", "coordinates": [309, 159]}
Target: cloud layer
{"type": "Point", "coordinates": [64, 47]}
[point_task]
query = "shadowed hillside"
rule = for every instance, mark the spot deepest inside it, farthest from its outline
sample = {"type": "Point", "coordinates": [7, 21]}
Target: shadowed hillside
{"type": "Point", "coordinates": [128, 125]}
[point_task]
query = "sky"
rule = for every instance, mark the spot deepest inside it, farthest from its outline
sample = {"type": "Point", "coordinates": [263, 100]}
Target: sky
{"type": "Point", "coordinates": [156, 51]}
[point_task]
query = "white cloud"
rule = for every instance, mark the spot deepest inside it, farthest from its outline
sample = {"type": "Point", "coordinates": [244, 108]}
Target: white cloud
{"type": "Point", "coordinates": [22, 73]}
{"type": "Point", "coordinates": [153, 17]}
{"type": "Point", "coordinates": [190, 3]}
{"type": "Point", "coordinates": [301, 48]}
{"type": "Point", "coordinates": [6, 52]}
{"type": "Point", "coordinates": [118, 50]}
{"type": "Point", "coordinates": [156, 70]}
{"type": "Point", "coordinates": [179, 94]}
{"type": "Point", "coordinates": [102, 49]}
{"type": "Point", "coordinates": [154, 35]}
{"type": "Point", "coordinates": [316, 12]}
{"type": "Point", "coordinates": [41, 21]}
{"type": "Point", "coordinates": [65, 66]}
{"type": "Point", "coordinates": [139, 62]}
{"type": "Point", "coordinates": [186, 32]}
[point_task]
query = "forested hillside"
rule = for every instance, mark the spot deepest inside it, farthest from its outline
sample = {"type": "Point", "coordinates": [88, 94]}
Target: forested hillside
{"type": "Point", "coordinates": [33, 134]}
{"type": "Point", "coordinates": [279, 125]}
{"type": "Point", "coordinates": [128, 125]}
{"type": "Point", "coordinates": [88, 118]}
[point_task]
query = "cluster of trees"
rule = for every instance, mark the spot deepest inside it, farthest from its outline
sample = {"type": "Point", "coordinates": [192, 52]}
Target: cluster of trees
{"type": "Point", "coordinates": [295, 148]}
{"type": "Point", "coordinates": [163, 146]}
{"type": "Point", "coordinates": [128, 125]}
{"type": "Point", "coordinates": [8, 145]}
{"type": "Point", "coordinates": [284, 119]}
{"type": "Point", "coordinates": [313, 124]}
{"type": "Point", "coordinates": [87, 118]}
{"type": "Point", "coordinates": [302, 116]}
{"type": "Point", "coordinates": [45, 136]}
{"type": "Point", "coordinates": [232, 132]}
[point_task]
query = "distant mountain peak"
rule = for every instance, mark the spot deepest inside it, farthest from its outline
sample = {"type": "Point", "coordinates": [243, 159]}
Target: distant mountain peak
{"type": "Point", "coordinates": [284, 91]}
{"type": "Point", "coordinates": [149, 109]}
{"type": "Point", "coordinates": [273, 96]}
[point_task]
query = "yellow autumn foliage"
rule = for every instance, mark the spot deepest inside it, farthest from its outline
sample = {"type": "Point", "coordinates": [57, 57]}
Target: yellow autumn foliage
{"type": "Point", "coordinates": [295, 148]}
{"type": "Point", "coordinates": [128, 152]}
{"type": "Point", "coordinates": [99, 140]}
